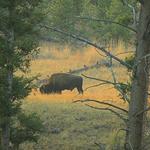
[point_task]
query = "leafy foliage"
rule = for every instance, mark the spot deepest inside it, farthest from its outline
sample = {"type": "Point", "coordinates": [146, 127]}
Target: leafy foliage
{"type": "Point", "coordinates": [27, 128]}
{"type": "Point", "coordinates": [124, 90]}
{"type": "Point", "coordinates": [19, 33]}
{"type": "Point", "coordinates": [130, 60]}
{"type": "Point", "coordinates": [65, 15]}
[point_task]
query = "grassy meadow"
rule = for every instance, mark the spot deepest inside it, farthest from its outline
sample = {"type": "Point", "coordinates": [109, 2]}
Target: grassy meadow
{"type": "Point", "coordinates": [74, 126]}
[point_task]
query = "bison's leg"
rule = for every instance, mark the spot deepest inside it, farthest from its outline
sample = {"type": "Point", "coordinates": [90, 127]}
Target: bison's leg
{"type": "Point", "coordinates": [71, 88]}
{"type": "Point", "coordinates": [58, 91]}
{"type": "Point", "coordinates": [80, 90]}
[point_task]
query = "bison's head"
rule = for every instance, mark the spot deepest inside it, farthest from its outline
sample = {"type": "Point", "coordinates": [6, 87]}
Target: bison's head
{"type": "Point", "coordinates": [46, 89]}
{"type": "Point", "coordinates": [42, 89]}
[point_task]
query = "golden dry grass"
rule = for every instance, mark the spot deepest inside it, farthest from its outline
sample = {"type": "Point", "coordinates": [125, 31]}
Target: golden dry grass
{"type": "Point", "coordinates": [79, 126]}
{"type": "Point", "coordinates": [53, 58]}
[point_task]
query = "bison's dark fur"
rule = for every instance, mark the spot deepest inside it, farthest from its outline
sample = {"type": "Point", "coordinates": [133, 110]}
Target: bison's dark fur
{"type": "Point", "coordinates": [44, 89]}
{"type": "Point", "coordinates": [62, 81]}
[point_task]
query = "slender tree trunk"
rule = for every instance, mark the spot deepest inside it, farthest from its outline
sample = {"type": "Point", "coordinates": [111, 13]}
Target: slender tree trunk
{"type": "Point", "coordinates": [15, 147]}
{"type": "Point", "coordinates": [5, 141]}
{"type": "Point", "coordinates": [5, 137]}
{"type": "Point", "coordinates": [140, 82]}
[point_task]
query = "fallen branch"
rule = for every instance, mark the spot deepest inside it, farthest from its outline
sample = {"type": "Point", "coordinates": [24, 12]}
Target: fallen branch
{"type": "Point", "coordinates": [85, 67]}
{"type": "Point", "coordinates": [101, 102]}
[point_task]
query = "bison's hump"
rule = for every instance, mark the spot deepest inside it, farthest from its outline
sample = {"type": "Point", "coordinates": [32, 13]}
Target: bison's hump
{"type": "Point", "coordinates": [64, 75]}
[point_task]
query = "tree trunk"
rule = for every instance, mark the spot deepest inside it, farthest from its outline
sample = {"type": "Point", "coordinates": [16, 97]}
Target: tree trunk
{"type": "Point", "coordinates": [140, 82]}
{"type": "Point", "coordinates": [5, 141]}
{"type": "Point", "coordinates": [5, 137]}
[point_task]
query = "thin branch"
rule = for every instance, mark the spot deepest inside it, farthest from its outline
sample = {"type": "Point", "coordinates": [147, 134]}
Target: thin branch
{"type": "Point", "coordinates": [88, 42]}
{"type": "Point", "coordinates": [107, 21]}
{"type": "Point", "coordinates": [133, 11]}
{"type": "Point", "coordinates": [101, 102]}
{"type": "Point", "coordinates": [140, 60]}
{"type": "Point", "coordinates": [122, 129]}
{"type": "Point", "coordinates": [141, 1]}
{"type": "Point", "coordinates": [97, 79]}
{"type": "Point", "coordinates": [93, 78]}
{"type": "Point", "coordinates": [112, 72]}
{"type": "Point", "coordinates": [100, 145]}
{"type": "Point", "coordinates": [117, 86]}
{"type": "Point", "coordinates": [100, 53]}
{"type": "Point", "coordinates": [143, 111]}
{"type": "Point", "coordinates": [108, 109]}
{"type": "Point", "coordinates": [96, 85]}
{"type": "Point", "coordinates": [124, 53]}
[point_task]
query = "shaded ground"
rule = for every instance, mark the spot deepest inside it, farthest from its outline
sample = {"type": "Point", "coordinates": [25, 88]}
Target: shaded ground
{"type": "Point", "coordinates": [74, 127]}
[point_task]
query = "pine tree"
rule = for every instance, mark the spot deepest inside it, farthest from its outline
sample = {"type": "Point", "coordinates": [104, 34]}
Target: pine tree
{"type": "Point", "coordinates": [19, 30]}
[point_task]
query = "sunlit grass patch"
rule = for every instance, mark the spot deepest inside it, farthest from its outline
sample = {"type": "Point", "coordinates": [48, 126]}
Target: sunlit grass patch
{"type": "Point", "coordinates": [53, 59]}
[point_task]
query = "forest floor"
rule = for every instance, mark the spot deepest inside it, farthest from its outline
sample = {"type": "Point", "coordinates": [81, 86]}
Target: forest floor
{"type": "Point", "coordinates": [71, 126]}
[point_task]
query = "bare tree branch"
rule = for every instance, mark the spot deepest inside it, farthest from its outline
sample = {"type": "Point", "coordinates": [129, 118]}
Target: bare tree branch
{"type": "Point", "coordinates": [105, 81]}
{"type": "Point", "coordinates": [107, 21]}
{"type": "Point", "coordinates": [96, 85]}
{"type": "Point", "coordinates": [108, 109]}
{"type": "Point", "coordinates": [143, 111]}
{"type": "Point", "coordinates": [101, 102]}
{"type": "Point", "coordinates": [101, 146]}
{"type": "Point", "coordinates": [117, 85]}
{"type": "Point", "coordinates": [144, 58]}
{"type": "Point", "coordinates": [88, 42]}
{"type": "Point", "coordinates": [122, 129]}
{"type": "Point", "coordinates": [133, 11]}
{"type": "Point", "coordinates": [112, 72]}
{"type": "Point", "coordinates": [124, 53]}
{"type": "Point", "coordinates": [141, 1]}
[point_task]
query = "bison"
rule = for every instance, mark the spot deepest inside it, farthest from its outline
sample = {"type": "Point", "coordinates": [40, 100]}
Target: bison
{"type": "Point", "coordinates": [44, 89]}
{"type": "Point", "coordinates": [62, 81]}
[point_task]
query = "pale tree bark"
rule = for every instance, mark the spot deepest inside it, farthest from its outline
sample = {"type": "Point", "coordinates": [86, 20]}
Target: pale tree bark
{"type": "Point", "coordinates": [140, 81]}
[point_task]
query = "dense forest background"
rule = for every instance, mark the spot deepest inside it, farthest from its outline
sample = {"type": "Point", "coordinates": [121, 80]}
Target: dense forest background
{"type": "Point", "coordinates": [93, 19]}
